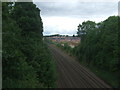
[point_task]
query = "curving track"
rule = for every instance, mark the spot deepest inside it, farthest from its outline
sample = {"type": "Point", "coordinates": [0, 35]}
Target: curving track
{"type": "Point", "coordinates": [71, 74]}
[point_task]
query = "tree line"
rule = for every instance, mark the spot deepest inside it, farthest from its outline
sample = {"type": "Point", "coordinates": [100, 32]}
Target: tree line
{"type": "Point", "coordinates": [26, 60]}
{"type": "Point", "coordinates": [99, 45]}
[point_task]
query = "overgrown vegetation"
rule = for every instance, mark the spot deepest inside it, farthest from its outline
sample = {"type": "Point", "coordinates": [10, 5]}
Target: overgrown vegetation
{"type": "Point", "coordinates": [26, 59]}
{"type": "Point", "coordinates": [66, 47]}
{"type": "Point", "coordinates": [99, 46]}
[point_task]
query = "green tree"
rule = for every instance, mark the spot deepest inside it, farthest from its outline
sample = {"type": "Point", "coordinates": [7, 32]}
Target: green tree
{"type": "Point", "coordinates": [85, 27]}
{"type": "Point", "coordinates": [28, 17]}
{"type": "Point", "coordinates": [26, 59]}
{"type": "Point", "coordinates": [99, 43]}
{"type": "Point", "coordinates": [99, 46]}
{"type": "Point", "coordinates": [16, 72]}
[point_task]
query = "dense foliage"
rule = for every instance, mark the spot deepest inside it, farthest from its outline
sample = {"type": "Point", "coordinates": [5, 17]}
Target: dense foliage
{"type": "Point", "coordinates": [99, 44]}
{"type": "Point", "coordinates": [65, 47]}
{"type": "Point", "coordinates": [26, 59]}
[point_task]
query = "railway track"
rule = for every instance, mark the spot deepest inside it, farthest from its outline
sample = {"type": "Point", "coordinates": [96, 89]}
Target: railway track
{"type": "Point", "coordinates": [73, 75]}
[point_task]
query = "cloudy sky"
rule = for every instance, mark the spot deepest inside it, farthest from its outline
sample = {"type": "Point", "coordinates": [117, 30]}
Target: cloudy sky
{"type": "Point", "coordinates": [61, 17]}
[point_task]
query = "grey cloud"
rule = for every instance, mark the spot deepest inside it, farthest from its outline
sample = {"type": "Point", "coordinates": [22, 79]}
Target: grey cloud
{"type": "Point", "coordinates": [79, 9]}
